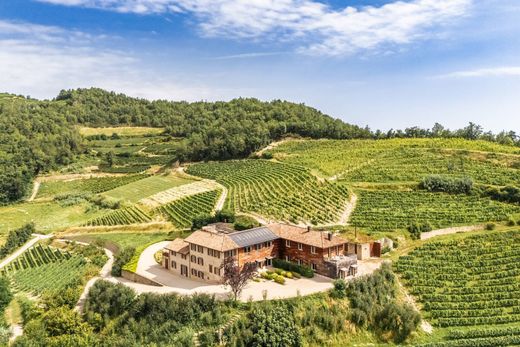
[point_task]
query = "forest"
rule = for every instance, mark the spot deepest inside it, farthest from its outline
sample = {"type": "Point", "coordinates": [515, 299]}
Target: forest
{"type": "Point", "coordinates": [38, 136]}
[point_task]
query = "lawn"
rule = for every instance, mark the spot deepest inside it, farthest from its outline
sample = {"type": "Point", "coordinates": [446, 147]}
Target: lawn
{"type": "Point", "coordinates": [121, 131]}
{"type": "Point", "coordinates": [146, 187]}
{"type": "Point", "coordinates": [48, 216]}
{"type": "Point", "coordinates": [123, 240]}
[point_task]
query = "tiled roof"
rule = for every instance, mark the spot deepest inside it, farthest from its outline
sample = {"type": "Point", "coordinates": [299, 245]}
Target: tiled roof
{"type": "Point", "coordinates": [212, 239]}
{"type": "Point", "coordinates": [253, 236]}
{"type": "Point", "coordinates": [179, 246]}
{"type": "Point", "coordinates": [307, 237]}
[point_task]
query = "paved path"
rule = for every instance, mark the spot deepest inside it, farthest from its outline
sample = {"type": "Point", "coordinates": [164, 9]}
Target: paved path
{"type": "Point", "coordinates": [27, 245]}
{"type": "Point", "coordinates": [105, 273]}
{"type": "Point", "coordinates": [448, 231]}
{"type": "Point", "coordinates": [36, 188]}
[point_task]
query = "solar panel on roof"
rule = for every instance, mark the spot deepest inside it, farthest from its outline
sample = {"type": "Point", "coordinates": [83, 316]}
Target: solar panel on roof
{"type": "Point", "coordinates": [253, 236]}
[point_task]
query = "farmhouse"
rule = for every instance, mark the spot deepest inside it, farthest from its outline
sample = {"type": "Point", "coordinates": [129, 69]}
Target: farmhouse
{"type": "Point", "coordinates": [201, 255]}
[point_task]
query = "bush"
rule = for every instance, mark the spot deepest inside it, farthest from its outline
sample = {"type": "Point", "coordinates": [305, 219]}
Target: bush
{"type": "Point", "coordinates": [490, 226]}
{"type": "Point", "coordinates": [446, 184]}
{"type": "Point", "coordinates": [340, 289]}
{"type": "Point", "coordinates": [416, 229]}
{"type": "Point", "coordinates": [399, 320]}
{"type": "Point", "coordinates": [16, 238]}
{"type": "Point", "coordinates": [511, 222]}
{"type": "Point", "coordinates": [303, 270]}
{"type": "Point", "coordinates": [121, 259]}
{"type": "Point", "coordinates": [279, 279]}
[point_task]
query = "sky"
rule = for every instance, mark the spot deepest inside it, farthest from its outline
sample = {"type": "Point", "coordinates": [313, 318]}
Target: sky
{"type": "Point", "coordinates": [378, 63]}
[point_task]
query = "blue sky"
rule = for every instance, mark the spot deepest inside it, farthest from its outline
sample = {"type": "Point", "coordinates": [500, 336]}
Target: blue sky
{"type": "Point", "coordinates": [381, 63]}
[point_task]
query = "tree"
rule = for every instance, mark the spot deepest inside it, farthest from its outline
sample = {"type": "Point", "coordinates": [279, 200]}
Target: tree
{"type": "Point", "coordinates": [236, 277]}
{"type": "Point", "coordinates": [5, 294]}
{"type": "Point", "coordinates": [273, 326]}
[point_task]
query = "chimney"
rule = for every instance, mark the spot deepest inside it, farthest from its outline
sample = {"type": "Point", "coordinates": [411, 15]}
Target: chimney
{"type": "Point", "coordinates": [308, 228]}
{"type": "Point", "coordinates": [329, 236]}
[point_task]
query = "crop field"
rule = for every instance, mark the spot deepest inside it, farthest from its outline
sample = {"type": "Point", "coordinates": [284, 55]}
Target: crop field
{"type": "Point", "coordinates": [281, 191]}
{"type": "Point", "coordinates": [144, 188]}
{"type": "Point", "coordinates": [382, 210]}
{"type": "Point", "coordinates": [469, 286]}
{"type": "Point", "coordinates": [181, 212]}
{"type": "Point", "coordinates": [123, 240]}
{"type": "Point", "coordinates": [179, 192]}
{"type": "Point", "coordinates": [404, 159]}
{"type": "Point", "coordinates": [91, 185]}
{"type": "Point", "coordinates": [43, 268]}
{"type": "Point", "coordinates": [123, 216]}
{"type": "Point", "coordinates": [47, 216]}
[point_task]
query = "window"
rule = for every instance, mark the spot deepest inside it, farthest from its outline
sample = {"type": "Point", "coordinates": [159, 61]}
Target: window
{"type": "Point", "coordinates": [210, 268]}
{"type": "Point", "coordinates": [193, 259]}
{"type": "Point", "coordinates": [173, 253]}
{"type": "Point", "coordinates": [300, 262]}
{"type": "Point", "coordinates": [200, 249]}
{"type": "Point", "coordinates": [313, 250]}
{"type": "Point", "coordinates": [268, 244]}
{"type": "Point", "coordinates": [287, 258]}
{"type": "Point", "coordinates": [314, 267]}
{"type": "Point", "coordinates": [184, 256]}
{"type": "Point", "coordinates": [174, 265]}
{"type": "Point", "coordinates": [193, 247]}
{"type": "Point", "coordinates": [216, 271]}
{"type": "Point", "coordinates": [231, 253]}
{"type": "Point", "coordinates": [300, 246]}
{"type": "Point", "coordinates": [193, 272]}
{"type": "Point", "coordinates": [258, 246]}
{"type": "Point", "coordinates": [247, 249]}
{"type": "Point", "coordinates": [201, 274]}
{"type": "Point", "coordinates": [200, 261]}
{"type": "Point", "coordinates": [287, 243]}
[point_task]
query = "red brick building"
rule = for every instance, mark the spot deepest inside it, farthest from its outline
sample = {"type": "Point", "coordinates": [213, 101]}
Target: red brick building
{"type": "Point", "coordinates": [201, 255]}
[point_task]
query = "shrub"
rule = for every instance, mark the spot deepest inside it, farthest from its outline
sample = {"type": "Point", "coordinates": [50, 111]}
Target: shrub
{"type": "Point", "coordinates": [490, 226]}
{"type": "Point", "coordinates": [121, 259]}
{"type": "Point", "coordinates": [16, 238]}
{"type": "Point", "coordinates": [511, 222]}
{"type": "Point", "coordinates": [289, 274]}
{"type": "Point", "coordinates": [399, 320]}
{"type": "Point", "coordinates": [279, 279]}
{"type": "Point", "coordinates": [303, 270]}
{"type": "Point", "coordinates": [416, 229]}
{"type": "Point", "coordinates": [245, 223]}
{"type": "Point", "coordinates": [340, 289]}
{"type": "Point", "coordinates": [445, 184]}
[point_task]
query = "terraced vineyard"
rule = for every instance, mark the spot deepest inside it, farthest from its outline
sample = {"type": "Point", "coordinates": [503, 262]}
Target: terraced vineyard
{"type": "Point", "coordinates": [92, 185]}
{"type": "Point", "coordinates": [124, 216]}
{"type": "Point", "coordinates": [388, 210]}
{"type": "Point", "coordinates": [284, 192]}
{"type": "Point", "coordinates": [182, 211]}
{"type": "Point", "coordinates": [401, 160]}
{"type": "Point", "coordinates": [472, 283]}
{"type": "Point", "coordinates": [43, 268]}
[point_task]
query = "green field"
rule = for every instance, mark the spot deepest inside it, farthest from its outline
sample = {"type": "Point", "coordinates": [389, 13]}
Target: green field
{"type": "Point", "coordinates": [384, 210]}
{"type": "Point", "coordinates": [48, 216]}
{"type": "Point", "coordinates": [404, 159]}
{"type": "Point", "coordinates": [281, 191]}
{"type": "Point", "coordinates": [181, 212]}
{"type": "Point", "coordinates": [90, 185]}
{"type": "Point", "coordinates": [146, 187]}
{"type": "Point", "coordinates": [123, 240]}
{"type": "Point", "coordinates": [470, 287]}
{"type": "Point", "coordinates": [122, 216]}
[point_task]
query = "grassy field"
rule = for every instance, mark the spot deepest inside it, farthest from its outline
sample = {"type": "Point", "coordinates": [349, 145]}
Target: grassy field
{"type": "Point", "coordinates": [468, 287]}
{"type": "Point", "coordinates": [123, 240]}
{"type": "Point", "coordinates": [388, 209]}
{"type": "Point", "coordinates": [404, 159]}
{"type": "Point", "coordinates": [146, 187]}
{"type": "Point", "coordinates": [121, 131]}
{"type": "Point", "coordinates": [47, 216]}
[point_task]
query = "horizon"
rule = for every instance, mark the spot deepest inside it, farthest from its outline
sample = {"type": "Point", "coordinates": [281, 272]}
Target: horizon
{"type": "Point", "coordinates": [379, 63]}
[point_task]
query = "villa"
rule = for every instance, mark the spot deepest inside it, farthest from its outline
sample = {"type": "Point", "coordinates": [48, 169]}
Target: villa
{"type": "Point", "coordinates": [201, 255]}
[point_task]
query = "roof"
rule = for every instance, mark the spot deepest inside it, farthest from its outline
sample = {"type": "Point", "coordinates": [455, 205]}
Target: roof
{"type": "Point", "coordinates": [179, 246]}
{"type": "Point", "coordinates": [253, 236]}
{"type": "Point", "coordinates": [304, 235]}
{"type": "Point", "coordinates": [212, 239]}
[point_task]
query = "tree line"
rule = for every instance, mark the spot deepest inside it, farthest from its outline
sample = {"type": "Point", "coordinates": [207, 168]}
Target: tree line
{"type": "Point", "coordinates": [38, 136]}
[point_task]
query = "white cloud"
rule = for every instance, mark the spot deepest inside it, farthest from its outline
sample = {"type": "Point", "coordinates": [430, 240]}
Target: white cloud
{"type": "Point", "coordinates": [501, 71]}
{"type": "Point", "coordinates": [316, 27]}
{"type": "Point", "coordinates": [41, 60]}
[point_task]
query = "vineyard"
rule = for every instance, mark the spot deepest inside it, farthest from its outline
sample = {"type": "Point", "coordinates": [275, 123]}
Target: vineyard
{"type": "Point", "coordinates": [123, 216]}
{"type": "Point", "coordinates": [284, 192]}
{"type": "Point", "coordinates": [402, 160]}
{"type": "Point", "coordinates": [92, 185]}
{"type": "Point", "coordinates": [43, 268]}
{"type": "Point", "coordinates": [177, 193]}
{"type": "Point", "coordinates": [181, 212]}
{"type": "Point", "coordinates": [387, 210]}
{"type": "Point", "coordinates": [472, 283]}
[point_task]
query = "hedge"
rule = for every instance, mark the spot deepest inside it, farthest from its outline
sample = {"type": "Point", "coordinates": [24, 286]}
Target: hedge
{"type": "Point", "coordinates": [303, 270]}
